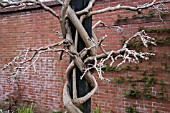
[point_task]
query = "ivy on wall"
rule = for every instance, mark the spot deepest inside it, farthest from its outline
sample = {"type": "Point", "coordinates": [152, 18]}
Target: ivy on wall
{"type": "Point", "coordinates": [147, 79]}
{"type": "Point", "coordinates": [149, 15]}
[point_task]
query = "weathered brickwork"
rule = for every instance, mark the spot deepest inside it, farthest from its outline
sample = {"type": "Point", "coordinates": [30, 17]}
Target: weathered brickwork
{"type": "Point", "coordinates": [34, 28]}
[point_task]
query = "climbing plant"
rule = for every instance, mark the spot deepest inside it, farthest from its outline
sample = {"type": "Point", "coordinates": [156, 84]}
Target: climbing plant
{"type": "Point", "coordinates": [93, 60]}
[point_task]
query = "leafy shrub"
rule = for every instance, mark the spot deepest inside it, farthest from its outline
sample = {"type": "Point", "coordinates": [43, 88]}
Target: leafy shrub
{"type": "Point", "coordinates": [26, 109]}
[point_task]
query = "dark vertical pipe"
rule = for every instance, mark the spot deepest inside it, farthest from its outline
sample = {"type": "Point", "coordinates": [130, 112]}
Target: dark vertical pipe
{"type": "Point", "coordinates": [82, 86]}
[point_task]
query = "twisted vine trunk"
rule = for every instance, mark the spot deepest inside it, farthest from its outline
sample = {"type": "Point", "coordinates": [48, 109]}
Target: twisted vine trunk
{"type": "Point", "coordinates": [77, 92]}
{"type": "Point", "coordinates": [80, 42]}
{"type": "Point", "coordinates": [79, 88]}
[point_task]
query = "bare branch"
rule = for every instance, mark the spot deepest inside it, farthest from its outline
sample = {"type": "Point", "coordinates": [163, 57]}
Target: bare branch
{"type": "Point", "coordinates": [24, 3]}
{"type": "Point", "coordinates": [99, 22]}
{"type": "Point", "coordinates": [125, 53]}
{"type": "Point", "coordinates": [23, 58]}
{"type": "Point", "coordinates": [74, 84]}
{"type": "Point", "coordinates": [63, 16]}
{"type": "Point", "coordinates": [86, 10]}
{"type": "Point", "coordinates": [30, 56]}
{"type": "Point", "coordinates": [119, 7]}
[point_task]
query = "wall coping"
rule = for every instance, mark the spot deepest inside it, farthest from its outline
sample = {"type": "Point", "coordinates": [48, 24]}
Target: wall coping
{"type": "Point", "coordinates": [32, 7]}
{"type": "Point", "coordinates": [27, 8]}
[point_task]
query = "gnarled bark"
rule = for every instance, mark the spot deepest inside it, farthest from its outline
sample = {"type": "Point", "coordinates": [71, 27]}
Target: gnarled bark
{"type": "Point", "coordinates": [94, 60]}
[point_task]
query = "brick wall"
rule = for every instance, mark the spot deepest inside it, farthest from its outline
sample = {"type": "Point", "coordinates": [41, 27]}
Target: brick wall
{"type": "Point", "coordinates": [20, 30]}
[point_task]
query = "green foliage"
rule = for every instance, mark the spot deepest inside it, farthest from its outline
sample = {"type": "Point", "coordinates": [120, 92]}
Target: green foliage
{"type": "Point", "coordinates": [119, 80]}
{"type": "Point", "coordinates": [97, 109]}
{"type": "Point", "coordinates": [164, 41]}
{"type": "Point", "coordinates": [123, 41]}
{"type": "Point", "coordinates": [118, 70]}
{"type": "Point", "coordinates": [121, 19]}
{"type": "Point", "coordinates": [161, 93]}
{"type": "Point", "coordinates": [137, 43]}
{"type": "Point", "coordinates": [166, 65]}
{"type": "Point", "coordinates": [133, 93]}
{"type": "Point", "coordinates": [109, 68]}
{"type": "Point", "coordinates": [131, 109]}
{"type": "Point", "coordinates": [153, 73]}
{"type": "Point", "coordinates": [142, 17]}
{"type": "Point", "coordinates": [118, 20]}
{"type": "Point", "coordinates": [144, 73]}
{"type": "Point", "coordinates": [127, 67]}
{"type": "Point", "coordinates": [134, 16]}
{"type": "Point", "coordinates": [26, 109]}
{"type": "Point", "coordinates": [126, 18]}
{"type": "Point", "coordinates": [136, 67]}
{"type": "Point", "coordinates": [154, 30]}
{"type": "Point", "coordinates": [81, 107]}
{"type": "Point", "coordinates": [156, 111]}
{"type": "Point", "coordinates": [149, 80]}
{"type": "Point", "coordinates": [162, 89]}
{"type": "Point", "coordinates": [162, 83]}
{"type": "Point", "coordinates": [133, 84]}
{"type": "Point", "coordinates": [134, 44]}
{"type": "Point", "coordinates": [151, 56]}
{"type": "Point", "coordinates": [162, 15]}
{"type": "Point", "coordinates": [147, 93]}
{"type": "Point", "coordinates": [151, 13]}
